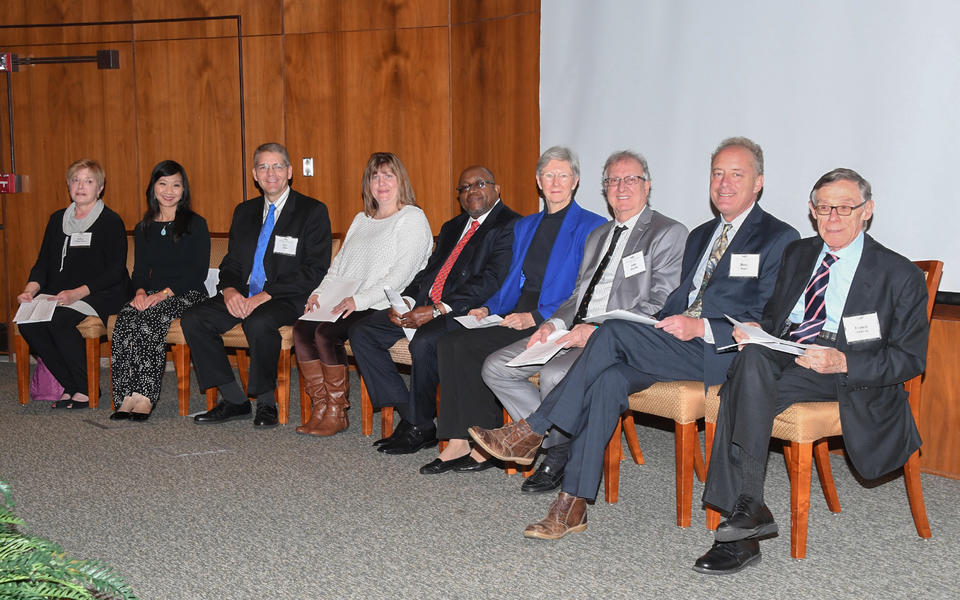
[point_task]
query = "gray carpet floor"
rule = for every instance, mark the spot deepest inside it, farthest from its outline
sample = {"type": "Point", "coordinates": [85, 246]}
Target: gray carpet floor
{"type": "Point", "coordinates": [195, 512]}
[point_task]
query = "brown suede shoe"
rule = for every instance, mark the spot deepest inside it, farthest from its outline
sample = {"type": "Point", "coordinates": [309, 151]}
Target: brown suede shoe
{"type": "Point", "coordinates": [567, 514]}
{"type": "Point", "coordinates": [334, 419]}
{"type": "Point", "coordinates": [316, 389]}
{"type": "Point", "coordinates": [514, 442]}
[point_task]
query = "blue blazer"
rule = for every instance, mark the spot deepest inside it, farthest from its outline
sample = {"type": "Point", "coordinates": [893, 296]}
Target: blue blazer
{"type": "Point", "coordinates": [562, 267]}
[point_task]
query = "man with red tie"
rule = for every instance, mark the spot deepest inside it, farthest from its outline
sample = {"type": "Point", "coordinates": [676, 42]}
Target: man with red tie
{"type": "Point", "coordinates": [468, 265]}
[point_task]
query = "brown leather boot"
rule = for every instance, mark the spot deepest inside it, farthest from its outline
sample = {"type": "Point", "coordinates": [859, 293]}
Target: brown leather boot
{"type": "Point", "coordinates": [567, 514]}
{"type": "Point", "coordinates": [334, 417]}
{"type": "Point", "coordinates": [316, 389]}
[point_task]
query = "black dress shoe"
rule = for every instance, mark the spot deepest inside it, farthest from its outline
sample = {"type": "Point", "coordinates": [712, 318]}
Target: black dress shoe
{"type": "Point", "coordinates": [402, 428]}
{"type": "Point", "coordinates": [224, 411]}
{"type": "Point", "coordinates": [412, 440]}
{"type": "Point", "coordinates": [437, 466]}
{"type": "Point", "coordinates": [266, 417]}
{"type": "Point", "coordinates": [472, 465]}
{"type": "Point", "coordinates": [119, 415]}
{"type": "Point", "coordinates": [725, 558]}
{"type": "Point", "coordinates": [750, 519]}
{"type": "Point", "coordinates": [545, 479]}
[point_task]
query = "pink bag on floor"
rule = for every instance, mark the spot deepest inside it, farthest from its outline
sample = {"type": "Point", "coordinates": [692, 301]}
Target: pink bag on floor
{"type": "Point", "coordinates": [43, 385]}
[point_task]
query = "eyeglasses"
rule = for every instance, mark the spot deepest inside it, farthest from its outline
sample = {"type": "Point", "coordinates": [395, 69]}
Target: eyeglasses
{"type": "Point", "coordinates": [561, 177]}
{"type": "Point", "coordinates": [276, 168]}
{"type": "Point", "coordinates": [844, 211]}
{"type": "Point", "coordinates": [479, 185]}
{"type": "Point", "coordinates": [629, 180]}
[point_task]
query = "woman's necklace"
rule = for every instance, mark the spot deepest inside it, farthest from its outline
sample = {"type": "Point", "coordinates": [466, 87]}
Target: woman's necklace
{"type": "Point", "coordinates": [163, 230]}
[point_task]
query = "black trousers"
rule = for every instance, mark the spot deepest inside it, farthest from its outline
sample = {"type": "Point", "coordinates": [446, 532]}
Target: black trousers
{"type": "Point", "coordinates": [762, 383]}
{"type": "Point", "coordinates": [372, 337]}
{"type": "Point", "coordinates": [61, 347]}
{"type": "Point", "coordinates": [203, 323]}
{"type": "Point", "coordinates": [465, 400]}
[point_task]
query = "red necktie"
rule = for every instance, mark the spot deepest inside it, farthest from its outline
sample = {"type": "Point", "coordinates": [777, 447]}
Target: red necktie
{"type": "Point", "coordinates": [436, 290]}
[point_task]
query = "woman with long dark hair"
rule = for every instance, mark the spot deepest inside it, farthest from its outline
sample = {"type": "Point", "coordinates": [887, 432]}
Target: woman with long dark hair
{"type": "Point", "coordinates": [171, 258]}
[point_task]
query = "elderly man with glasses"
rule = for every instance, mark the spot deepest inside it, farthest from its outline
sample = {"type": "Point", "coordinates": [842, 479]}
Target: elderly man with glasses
{"type": "Point", "coordinates": [862, 309]}
{"type": "Point", "coordinates": [279, 249]}
{"type": "Point", "coordinates": [729, 267]}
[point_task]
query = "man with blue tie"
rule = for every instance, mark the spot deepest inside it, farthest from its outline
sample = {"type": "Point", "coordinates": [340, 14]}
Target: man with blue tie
{"type": "Point", "coordinates": [863, 307]}
{"type": "Point", "coordinates": [279, 249]}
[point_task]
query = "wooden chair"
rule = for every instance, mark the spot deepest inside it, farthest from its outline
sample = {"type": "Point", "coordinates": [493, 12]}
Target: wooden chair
{"type": "Point", "coordinates": [805, 427]}
{"type": "Point", "coordinates": [683, 403]}
{"type": "Point", "coordinates": [92, 330]}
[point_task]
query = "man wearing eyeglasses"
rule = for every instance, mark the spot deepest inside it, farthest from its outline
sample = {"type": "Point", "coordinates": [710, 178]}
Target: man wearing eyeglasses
{"type": "Point", "coordinates": [468, 264]}
{"type": "Point", "coordinates": [279, 249]}
{"type": "Point", "coordinates": [730, 264]}
{"type": "Point", "coordinates": [862, 308]}
{"type": "Point", "coordinates": [630, 263]}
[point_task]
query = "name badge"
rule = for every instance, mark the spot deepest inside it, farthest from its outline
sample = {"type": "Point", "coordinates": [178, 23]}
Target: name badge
{"type": "Point", "coordinates": [283, 244]}
{"type": "Point", "coordinates": [861, 328]}
{"type": "Point", "coordinates": [745, 265]}
{"type": "Point", "coordinates": [81, 240]}
{"type": "Point", "coordinates": [633, 264]}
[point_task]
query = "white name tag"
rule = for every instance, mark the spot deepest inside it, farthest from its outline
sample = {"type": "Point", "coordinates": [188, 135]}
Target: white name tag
{"type": "Point", "coordinates": [861, 328]}
{"type": "Point", "coordinates": [745, 265]}
{"type": "Point", "coordinates": [283, 244]}
{"type": "Point", "coordinates": [81, 240]}
{"type": "Point", "coordinates": [633, 264]}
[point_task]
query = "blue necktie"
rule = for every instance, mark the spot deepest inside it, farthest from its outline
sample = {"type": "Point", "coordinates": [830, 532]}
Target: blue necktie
{"type": "Point", "coordinates": [258, 276]}
{"type": "Point", "coordinates": [815, 306]}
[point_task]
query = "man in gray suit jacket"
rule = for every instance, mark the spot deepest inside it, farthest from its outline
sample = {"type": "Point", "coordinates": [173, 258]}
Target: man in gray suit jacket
{"type": "Point", "coordinates": [632, 269]}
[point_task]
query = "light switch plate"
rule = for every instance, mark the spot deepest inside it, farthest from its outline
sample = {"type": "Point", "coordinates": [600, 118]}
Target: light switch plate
{"type": "Point", "coordinates": [308, 167]}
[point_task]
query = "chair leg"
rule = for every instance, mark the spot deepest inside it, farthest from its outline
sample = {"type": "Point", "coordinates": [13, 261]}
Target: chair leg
{"type": "Point", "coordinates": [709, 430]}
{"type": "Point", "coordinates": [211, 394]}
{"type": "Point", "coordinates": [821, 454]}
{"type": "Point", "coordinates": [630, 432]}
{"type": "Point", "coordinates": [611, 466]}
{"type": "Point", "coordinates": [911, 477]}
{"type": "Point", "coordinates": [800, 463]}
{"type": "Point", "coordinates": [386, 421]}
{"type": "Point", "coordinates": [366, 409]}
{"type": "Point", "coordinates": [93, 371]}
{"type": "Point", "coordinates": [699, 465]}
{"type": "Point", "coordinates": [283, 387]}
{"type": "Point", "coordinates": [306, 405]}
{"type": "Point", "coordinates": [181, 364]}
{"type": "Point", "coordinates": [22, 350]}
{"type": "Point", "coordinates": [685, 440]}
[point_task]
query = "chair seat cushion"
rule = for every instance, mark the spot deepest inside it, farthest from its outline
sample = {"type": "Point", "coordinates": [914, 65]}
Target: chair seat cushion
{"type": "Point", "coordinates": [92, 327]}
{"type": "Point", "coordinates": [680, 401]}
{"type": "Point", "coordinates": [400, 352]}
{"type": "Point", "coordinates": [803, 422]}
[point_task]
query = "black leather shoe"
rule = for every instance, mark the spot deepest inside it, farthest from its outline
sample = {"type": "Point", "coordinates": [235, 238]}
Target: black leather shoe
{"type": "Point", "coordinates": [224, 411]}
{"type": "Point", "coordinates": [437, 466]}
{"type": "Point", "coordinates": [750, 519]}
{"type": "Point", "coordinates": [119, 415]}
{"type": "Point", "coordinates": [413, 440]}
{"type": "Point", "coordinates": [472, 465]}
{"type": "Point", "coordinates": [402, 428]}
{"type": "Point", "coordinates": [545, 479]}
{"type": "Point", "coordinates": [725, 558]}
{"type": "Point", "coordinates": [266, 417]}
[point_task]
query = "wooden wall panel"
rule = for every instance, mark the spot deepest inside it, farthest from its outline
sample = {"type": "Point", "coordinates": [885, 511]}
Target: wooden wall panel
{"type": "Point", "coordinates": [188, 105]}
{"type": "Point", "coordinates": [263, 69]}
{"type": "Point", "coordinates": [351, 94]}
{"type": "Point", "coordinates": [258, 17]}
{"type": "Point", "coordinates": [310, 16]}
{"type": "Point", "coordinates": [496, 103]}
{"type": "Point", "coordinates": [20, 12]}
{"type": "Point", "coordinates": [66, 112]}
{"type": "Point", "coordinates": [470, 11]}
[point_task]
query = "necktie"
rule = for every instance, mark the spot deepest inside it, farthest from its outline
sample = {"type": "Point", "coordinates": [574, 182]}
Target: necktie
{"type": "Point", "coordinates": [815, 305]}
{"type": "Point", "coordinates": [696, 307]}
{"type": "Point", "coordinates": [588, 295]}
{"type": "Point", "coordinates": [257, 275]}
{"type": "Point", "coordinates": [436, 290]}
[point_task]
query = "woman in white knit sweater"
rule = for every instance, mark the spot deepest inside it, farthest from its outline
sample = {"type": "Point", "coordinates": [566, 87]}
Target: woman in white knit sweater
{"type": "Point", "coordinates": [386, 245]}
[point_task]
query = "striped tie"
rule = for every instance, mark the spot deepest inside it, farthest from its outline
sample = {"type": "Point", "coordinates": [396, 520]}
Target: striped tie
{"type": "Point", "coordinates": [815, 303]}
{"type": "Point", "coordinates": [696, 307]}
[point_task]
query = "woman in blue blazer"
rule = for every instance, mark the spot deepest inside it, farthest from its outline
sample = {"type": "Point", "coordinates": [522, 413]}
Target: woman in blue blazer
{"type": "Point", "coordinates": [547, 250]}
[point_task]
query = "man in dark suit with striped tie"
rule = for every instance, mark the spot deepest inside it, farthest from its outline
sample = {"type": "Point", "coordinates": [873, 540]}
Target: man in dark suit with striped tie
{"type": "Point", "coordinates": [468, 264]}
{"type": "Point", "coordinates": [864, 308]}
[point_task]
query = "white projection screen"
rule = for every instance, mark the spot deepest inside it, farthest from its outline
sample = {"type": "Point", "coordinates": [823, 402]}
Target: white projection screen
{"type": "Point", "coordinates": [873, 85]}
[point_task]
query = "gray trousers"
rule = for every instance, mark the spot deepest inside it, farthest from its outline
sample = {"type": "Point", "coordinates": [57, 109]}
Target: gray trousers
{"type": "Point", "coordinates": [513, 388]}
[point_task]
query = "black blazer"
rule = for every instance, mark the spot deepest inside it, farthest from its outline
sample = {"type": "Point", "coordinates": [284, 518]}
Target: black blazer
{"type": "Point", "coordinates": [290, 278]}
{"type": "Point", "coordinates": [878, 428]}
{"type": "Point", "coordinates": [481, 267]}
{"type": "Point", "coordinates": [743, 298]}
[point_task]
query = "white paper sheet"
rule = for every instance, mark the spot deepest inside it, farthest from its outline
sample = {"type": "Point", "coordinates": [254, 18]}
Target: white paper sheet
{"type": "Point", "coordinates": [40, 309]}
{"type": "Point", "coordinates": [759, 336]}
{"type": "Point", "coordinates": [626, 315]}
{"type": "Point", "coordinates": [474, 323]}
{"type": "Point", "coordinates": [397, 303]}
{"type": "Point", "coordinates": [335, 290]}
{"type": "Point", "coordinates": [541, 352]}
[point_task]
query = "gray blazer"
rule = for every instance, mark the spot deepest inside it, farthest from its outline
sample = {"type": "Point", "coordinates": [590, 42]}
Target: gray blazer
{"type": "Point", "coordinates": [661, 239]}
